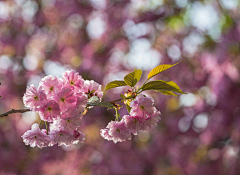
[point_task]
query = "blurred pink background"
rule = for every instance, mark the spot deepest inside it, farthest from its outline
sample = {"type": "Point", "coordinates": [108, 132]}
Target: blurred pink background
{"type": "Point", "coordinates": [103, 40]}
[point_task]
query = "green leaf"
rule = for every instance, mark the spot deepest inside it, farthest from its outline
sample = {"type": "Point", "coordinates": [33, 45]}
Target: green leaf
{"type": "Point", "coordinates": [167, 93]}
{"type": "Point", "coordinates": [106, 105]}
{"type": "Point", "coordinates": [113, 84]}
{"type": "Point", "coordinates": [94, 101]}
{"type": "Point", "coordinates": [128, 108]}
{"type": "Point", "coordinates": [132, 78]}
{"type": "Point", "coordinates": [161, 85]}
{"type": "Point", "coordinates": [173, 84]}
{"type": "Point", "coordinates": [160, 69]}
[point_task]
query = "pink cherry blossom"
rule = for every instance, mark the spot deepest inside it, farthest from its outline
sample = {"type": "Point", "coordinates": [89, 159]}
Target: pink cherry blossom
{"type": "Point", "coordinates": [73, 80]}
{"type": "Point", "coordinates": [51, 84]}
{"type": "Point", "coordinates": [133, 123]}
{"type": "Point", "coordinates": [90, 86]}
{"type": "Point", "coordinates": [36, 137]}
{"type": "Point", "coordinates": [105, 134]}
{"type": "Point", "coordinates": [49, 111]}
{"type": "Point", "coordinates": [75, 110]}
{"type": "Point", "coordinates": [65, 99]}
{"type": "Point", "coordinates": [79, 137]}
{"type": "Point", "coordinates": [81, 104]}
{"type": "Point", "coordinates": [64, 137]}
{"type": "Point", "coordinates": [69, 124]}
{"type": "Point", "coordinates": [153, 119]}
{"type": "Point", "coordinates": [142, 106]}
{"type": "Point", "coordinates": [118, 131]}
{"type": "Point", "coordinates": [34, 98]}
{"type": "Point", "coordinates": [69, 113]}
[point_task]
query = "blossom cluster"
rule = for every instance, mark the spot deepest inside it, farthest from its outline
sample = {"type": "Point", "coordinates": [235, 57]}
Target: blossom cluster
{"type": "Point", "coordinates": [142, 116]}
{"type": "Point", "coordinates": [60, 102]}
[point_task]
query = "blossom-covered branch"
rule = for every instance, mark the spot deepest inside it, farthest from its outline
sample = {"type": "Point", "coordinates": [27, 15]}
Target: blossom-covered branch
{"type": "Point", "coordinates": [62, 103]}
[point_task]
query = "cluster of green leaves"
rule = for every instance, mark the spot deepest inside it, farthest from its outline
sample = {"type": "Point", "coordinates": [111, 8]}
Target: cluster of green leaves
{"type": "Point", "coordinates": [131, 79]}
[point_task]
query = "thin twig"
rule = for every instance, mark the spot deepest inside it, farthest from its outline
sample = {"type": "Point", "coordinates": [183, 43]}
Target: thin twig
{"type": "Point", "coordinates": [120, 99]}
{"type": "Point", "coordinates": [115, 100]}
{"type": "Point", "coordinates": [14, 111]}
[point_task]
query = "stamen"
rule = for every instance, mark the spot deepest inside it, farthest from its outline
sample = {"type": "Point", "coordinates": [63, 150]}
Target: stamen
{"type": "Point", "coordinates": [135, 120]}
{"type": "Point", "coordinates": [72, 83]}
{"type": "Point", "coordinates": [36, 97]}
{"type": "Point", "coordinates": [62, 99]}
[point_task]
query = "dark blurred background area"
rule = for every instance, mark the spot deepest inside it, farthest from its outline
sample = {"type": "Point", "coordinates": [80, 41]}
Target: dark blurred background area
{"type": "Point", "coordinates": [103, 40]}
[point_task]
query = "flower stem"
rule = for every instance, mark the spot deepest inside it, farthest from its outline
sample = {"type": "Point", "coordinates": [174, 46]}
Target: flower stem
{"type": "Point", "coordinates": [46, 127]}
{"type": "Point", "coordinates": [118, 118]}
{"type": "Point", "coordinates": [40, 123]}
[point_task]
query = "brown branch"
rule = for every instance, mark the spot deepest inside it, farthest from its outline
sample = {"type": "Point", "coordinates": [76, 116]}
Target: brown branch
{"type": "Point", "coordinates": [14, 111]}
{"type": "Point", "coordinates": [115, 100]}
